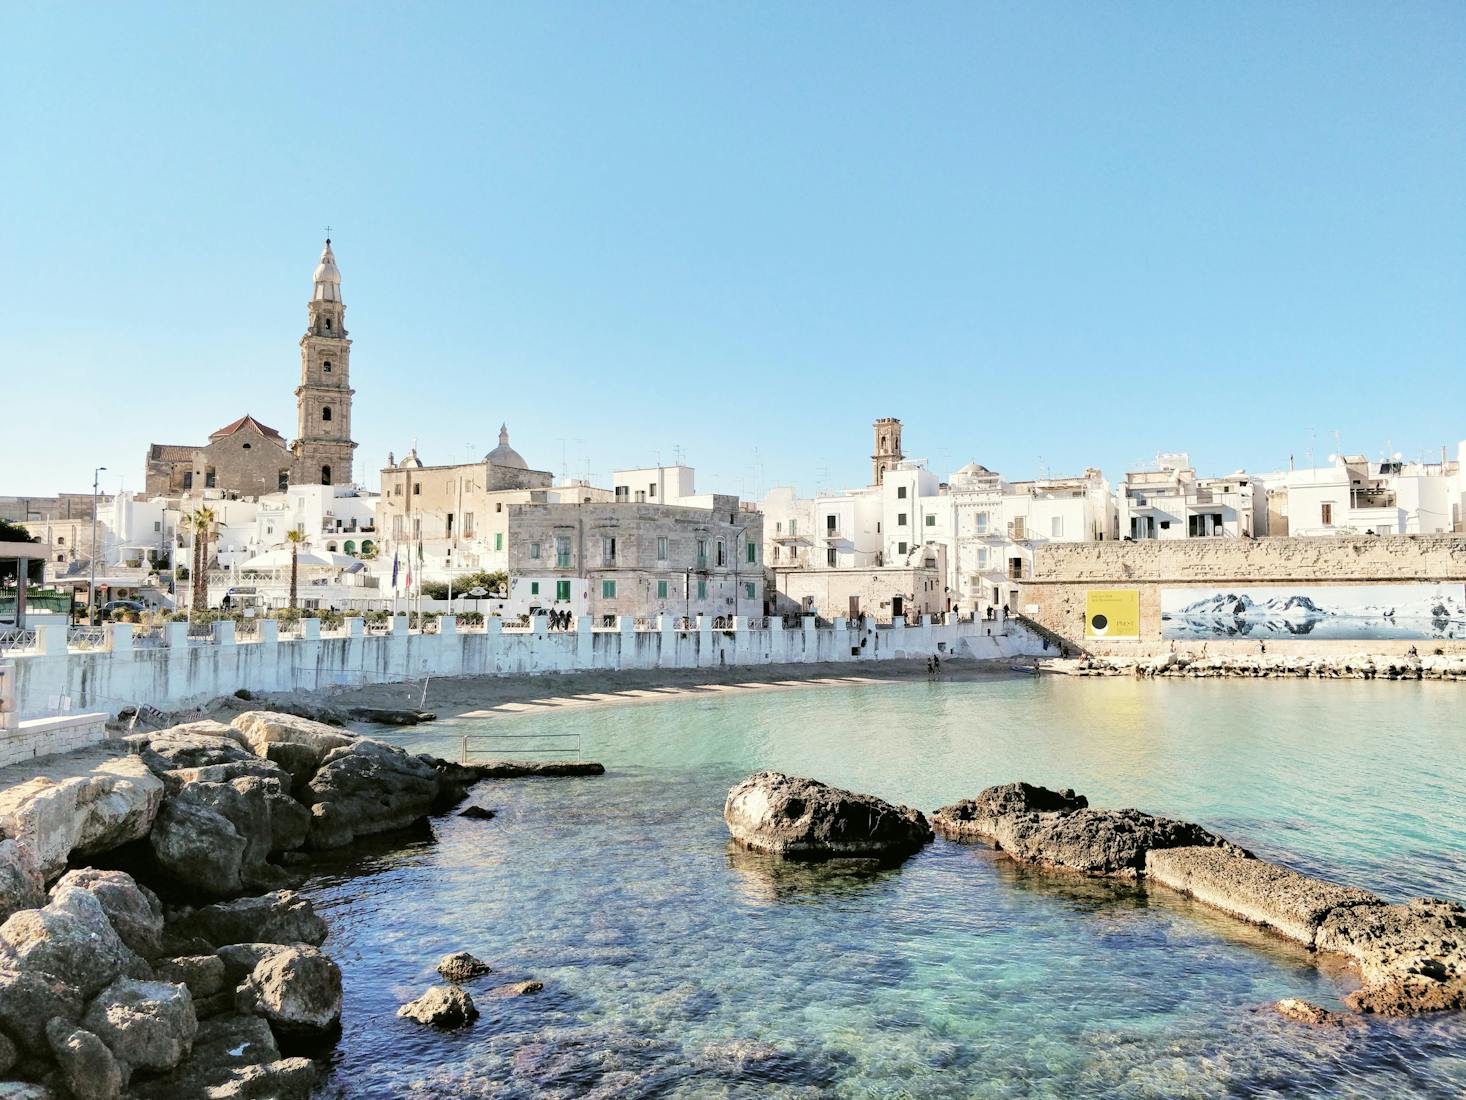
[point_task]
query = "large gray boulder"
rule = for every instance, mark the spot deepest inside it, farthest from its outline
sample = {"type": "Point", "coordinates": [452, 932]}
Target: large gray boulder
{"type": "Point", "coordinates": [28, 999]}
{"type": "Point", "coordinates": [215, 838]}
{"type": "Point", "coordinates": [299, 745]}
{"type": "Point", "coordinates": [203, 974]}
{"type": "Point", "coordinates": [442, 1006]}
{"type": "Point", "coordinates": [88, 1067]}
{"type": "Point", "coordinates": [193, 745]}
{"type": "Point", "coordinates": [223, 1048]}
{"type": "Point", "coordinates": [21, 884]}
{"type": "Point", "coordinates": [147, 1025]}
{"type": "Point", "coordinates": [805, 819]}
{"type": "Point", "coordinates": [280, 917]}
{"type": "Point", "coordinates": [367, 787]}
{"type": "Point", "coordinates": [70, 938]}
{"type": "Point", "coordinates": [1057, 829]}
{"type": "Point", "coordinates": [462, 967]}
{"type": "Point", "coordinates": [133, 910]}
{"type": "Point", "coordinates": [298, 990]}
{"type": "Point", "coordinates": [200, 847]}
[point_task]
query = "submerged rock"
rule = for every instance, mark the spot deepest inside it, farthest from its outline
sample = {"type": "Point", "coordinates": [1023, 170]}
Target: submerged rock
{"type": "Point", "coordinates": [519, 989]}
{"type": "Point", "coordinates": [1306, 1012]}
{"type": "Point", "coordinates": [478, 813]}
{"type": "Point", "coordinates": [527, 769]}
{"type": "Point", "coordinates": [444, 1006]}
{"type": "Point", "coordinates": [800, 818]}
{"type": "Point", "coordinates": [462, 967]}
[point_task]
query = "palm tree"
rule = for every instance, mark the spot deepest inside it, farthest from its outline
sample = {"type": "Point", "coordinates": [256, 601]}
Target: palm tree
{"type": "Point", "coordinates": [201, 522]}
{"type": "Point", "coordinates": [295, 536]}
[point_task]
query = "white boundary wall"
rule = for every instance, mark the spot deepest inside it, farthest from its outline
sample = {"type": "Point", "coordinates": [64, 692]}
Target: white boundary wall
{"type": "Point", "coordinates": [185, 671]}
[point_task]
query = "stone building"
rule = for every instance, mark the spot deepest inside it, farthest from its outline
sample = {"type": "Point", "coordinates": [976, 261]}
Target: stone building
{"type": "Point", "coordinates": [247, 458]}
{"type": "Point", "coordinates": [887, 448]}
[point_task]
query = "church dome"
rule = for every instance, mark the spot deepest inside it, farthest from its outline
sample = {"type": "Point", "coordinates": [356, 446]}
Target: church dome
{"type": "Point", "coordinates": [326, 278]}
{"type": "Point", "coordinates": [505, 455]}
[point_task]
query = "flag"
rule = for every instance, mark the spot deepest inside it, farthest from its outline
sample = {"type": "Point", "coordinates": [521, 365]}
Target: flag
{"type": "Point", "coordinates": [394, 569]}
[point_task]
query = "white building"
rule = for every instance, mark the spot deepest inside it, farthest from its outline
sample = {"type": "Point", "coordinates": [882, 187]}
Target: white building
{"type": "Point", "coordinates": [1352, 495]}
{"type": "Point", "coordinates": [1171, 502]}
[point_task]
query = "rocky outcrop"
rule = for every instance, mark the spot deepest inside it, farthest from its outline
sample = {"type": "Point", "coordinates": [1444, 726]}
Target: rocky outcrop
{"type": "Point", "coordinates": [800, 818]}
{"type": "Point", "coordinates": [87, 1065]}
{"type": "Point", "coordinates": [21, 884]}
{"type": "Point", "coordinates": [113, 804]}
{"type": "Point", "coordinates": [528, 769]}
{"type": "Point", "coordinates": [519, 989]}
{"type": "Point", "coordinates": [233, 1056]}
{"type": "Point", "coordinates": [1306, 1012]}
{"type": "Point", "coordinates": [1412, 957]}
{"type": "Point", "coordinates": [298, 990]}
{"type": "Point", "coordinates": [1058, 829]}
{"type": "Point", "coordinates": [1362, 666]}
{"type": "Point", "coordinates": [462, 967]}
{"type": "Point", "coordinates": [146, 1025]}
{"type": "Point", "coordinates": [30, 998]}
{"type": "Point", "coordinates": [299, 745]}
{"type": "Point", "coordinates": [442, 1006]}
{"type": "Point", "coordinates": [217, 837]}
{"type": "Point", "coordinates": [367, 787]}
{"type": "Point", "coordinates": [69, 939]}
{"type": "Point", "coordinates": [280, 917]}
{"type": "Point", "coordinates": [133, 910]}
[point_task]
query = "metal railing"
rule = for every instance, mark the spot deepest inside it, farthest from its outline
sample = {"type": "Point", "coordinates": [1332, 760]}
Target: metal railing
{"type": "Point", "coordinates": [499, 746]}
{"type": "Point", "coordinates": [14, 639]}
{"type": "Point", "coordinates": [86, 637]}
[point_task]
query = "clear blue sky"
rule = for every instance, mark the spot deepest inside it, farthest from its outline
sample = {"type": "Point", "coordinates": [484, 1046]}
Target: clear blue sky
{"type": "Point", "coordinates": [1044, 235]}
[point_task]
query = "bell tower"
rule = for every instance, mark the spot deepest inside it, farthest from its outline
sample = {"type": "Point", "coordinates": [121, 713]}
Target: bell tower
{"type": "Point", "coordinates": [323, 444]}
{"type": "Point", "coordinates": [887, 448]}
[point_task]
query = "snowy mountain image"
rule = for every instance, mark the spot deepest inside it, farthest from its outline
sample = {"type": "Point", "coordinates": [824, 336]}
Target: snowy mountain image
{"type": "Point", "coordinates": [1423, 611]}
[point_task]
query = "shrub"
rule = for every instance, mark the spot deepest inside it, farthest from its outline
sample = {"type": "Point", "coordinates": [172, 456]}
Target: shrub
{"type": "Point", "coordinates": [244, 693]}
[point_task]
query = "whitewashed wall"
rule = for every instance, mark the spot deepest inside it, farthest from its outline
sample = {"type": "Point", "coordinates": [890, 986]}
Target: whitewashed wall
{"type": "Point", "coordinates": [187, 671]}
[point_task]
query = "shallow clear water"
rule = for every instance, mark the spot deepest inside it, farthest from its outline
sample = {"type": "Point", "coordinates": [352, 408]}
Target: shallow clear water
{"type": "Point", "coordinates": [676, 967]}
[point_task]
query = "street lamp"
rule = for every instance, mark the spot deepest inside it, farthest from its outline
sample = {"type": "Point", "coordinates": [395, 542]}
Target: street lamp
{"type": "Point", "coordinates": [92, 575]}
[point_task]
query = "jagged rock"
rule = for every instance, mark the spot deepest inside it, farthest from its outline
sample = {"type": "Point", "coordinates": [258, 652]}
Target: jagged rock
{"type": "Point", "coordinates": [133, 910]}
{"type": "Point", "coordinates": [87, 1065]}
{"type": "Point", "coordinates": [222, 1048]}
{"type": "Point", "coordinates": [241, 958]}
{"type": "Point", "coordinates": [192, 745]}
{"type": "Point", "coordinates": [310, 741]}
{"type": "Point", "coordinates": [1412, 957]}
{"type": "Point", "coordinates": [526, 769]}
{"type": "Point", "coordinates": [29, 999]}
{"type": "Point", "coordinates": [147, 1025]}
{"type": "Point", "coordinates": [367, 787]}
{"type": "Point", "coordinates": [114, 804]}
{"type": "Point", "coordinates": [454, 781]}
{"type": "Point", "coordinates": [203, 974]}
{"type": "Point", "coordinates": [444, 1006]}
{"type": "Point", "coordinates": [518, 989]}
{"type": "Point", "coordinates": [284, 1079]}
{"type": "Point", "coordinates": [21, 884]}
{"type": "Point", "coordinates": [199, 846]}
{"type": "Point", "coordinates": [462, 967]}
{"type": "Point", "coordinates": [805, 819]}
{"type": "Point", "coordinates": [1253, 889]}
{"type": "Point", "coordinates": [298, 989]}
{"type": "Point", "coordinates": [215, 837]}
{"type": "Point", "coordinates": [1101, 842]}
{"type": "Point", "coordinates": [1306, 1012]}
{"type": "Point", "coordinates": [477, 813]}
{"type": "Point", "coordinates": [280, 917]}
{"type": "Point", "coordinates": [70, 938]}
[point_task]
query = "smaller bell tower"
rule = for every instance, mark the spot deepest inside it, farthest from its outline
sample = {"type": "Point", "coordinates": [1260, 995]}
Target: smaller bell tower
{"type": "Point", "coordinates": [323, 446]}
{"type": "Point", "coordinates": [887, 448]}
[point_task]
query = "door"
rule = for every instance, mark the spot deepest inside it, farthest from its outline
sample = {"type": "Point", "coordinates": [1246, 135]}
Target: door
{"type": "Point", "coordinates": [854, 612]}
{"type": "Point", "coordinates": [896, 607]}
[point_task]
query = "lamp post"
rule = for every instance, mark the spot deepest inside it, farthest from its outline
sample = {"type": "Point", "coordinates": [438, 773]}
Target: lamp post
{"type": "Point", "coordinates": [92, 575]}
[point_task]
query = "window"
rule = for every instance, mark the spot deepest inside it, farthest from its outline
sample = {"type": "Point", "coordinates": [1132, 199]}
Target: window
{"type": "Point", "coordinates": [661, 590]}
{"type": "Point", "coordinates": [416, 490]}
{"type": "Point", "coordinates": [722, 552]}
{"type": "Point", "coordinates": [157, 526]}
{"type": "Point", "coordinates": [326, 413]}
{"type": "Point", "coordinates": [328, 324]}
{"type": "Point", "coordinates": [623, 494]}
{"type": "Point", "coordinates": [562, 589]}
{"type": "Point", "coordinates": [350, 546]}
{"type": "Point", "coordinates": [210, 478]}
{"type": "Point", "coordinates": [661, 548]}
{"type": "Point", "coordinates": [534, 588]}
{"type": "Point", "coordinates": [793, 528]}
{"type": "Point", "coordinates": [830, 557]}
{"type": "Point", "coordinates": [498, 540]}
{"type": "Point", "coordinates": [468, 525]}
{"type": "Point", "coordinates": [900, 548]}
{"type": "Point", "coordinates": [900, 492]}
{"type": "Point", "coordinates": [651, 491]}
{"type": "Point", "coordinates": [498, 506]}
{"type": "Point", "coordinates": [331, 546]}
{"type": "Point", "coordinates": [188, 480]}
{"type": "Point", "coordinates": [244, 446]}
{"type": "Point", "coordinates": [60, 542]}
{"type": "Point", "coordinates": [900, 519]}
{"type": "Point", "coordinates": [832, 523]}
{"type": "Point", "coordinates": [534, 551]}
{"type": "Point", "coordinates": [326, 366]}
{"type": "Point", "coordinates": [608, 590]}
{"type": "Point", "coordinates": [702, 553]}
{"type": "Point", "coordinates": [608, 550]}
{"type": "Point", "coordinates": [752, 552]}
{"type": "Point", "coordinates": [982, 557]}
{"type": "Point", "coordinates": [562, 552]}
{"type": "Point", "coordinates": [931, 521]}
{"type": "Point", "coordinates": [702, 589]}
{"type": "Point", "coordinates": [749, 590]}
{"type": "Point", "coordinates": [1056, 527]}
{"type": "Point", "coordinates": [980, 523]}
{"type": "Point", "coordinates": [283, 482]}
{"type": "Point", "coordinates": [1326, 514]}
{"type": "Point", "coordinates": [448, 526]}
{"type": "Point", "coordinates": [1015, 568]}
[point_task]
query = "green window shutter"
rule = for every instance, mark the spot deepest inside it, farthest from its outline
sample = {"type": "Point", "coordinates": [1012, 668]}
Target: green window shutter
{"type": "Point", "coordinates": [931, 521]}
{"type": "Point", "coordinates": [752, 553]}
{"type": "Point", "coordinates": [748, 589]}
{"type": "Point", "coordinates": [661, 590]}
{"type": "Point", "coordinates": [562, 590]}
{"type": "Point", "coordinates": [534, 588]}
{"type": "Point", "coordinates": [702, 590]}
{"type": "Point", "coordinates": [608, 590]}
{"type": "Point", "coordinates": [498, 540]}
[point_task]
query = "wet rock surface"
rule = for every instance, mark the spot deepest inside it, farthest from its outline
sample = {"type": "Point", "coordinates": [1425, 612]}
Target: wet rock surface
{"type": "Point", "coordinates": [298, 990]}
{"type": "Point", "coordinates": [442, 1006]}
{"type": "Point", "coordinates": [799, 818]}
{"type": "Point", "coordinates": [462, 967]}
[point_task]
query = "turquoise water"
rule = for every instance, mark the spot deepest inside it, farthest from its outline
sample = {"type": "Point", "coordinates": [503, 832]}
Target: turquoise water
{"type": "Point", "coordinates": [676, 967]}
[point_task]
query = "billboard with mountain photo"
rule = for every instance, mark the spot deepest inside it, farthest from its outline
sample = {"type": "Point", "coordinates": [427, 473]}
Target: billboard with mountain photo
{"type": "Point", "coordinates": [1424, 612]}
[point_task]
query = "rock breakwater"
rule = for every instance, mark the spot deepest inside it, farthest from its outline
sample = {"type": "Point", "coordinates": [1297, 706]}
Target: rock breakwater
{"type": "Point", "coordinates": [1411, 957]}
{"type": "Point", "coordinates": [799, 818]}
{"type": "Point", "coordinates": [1362, 666]}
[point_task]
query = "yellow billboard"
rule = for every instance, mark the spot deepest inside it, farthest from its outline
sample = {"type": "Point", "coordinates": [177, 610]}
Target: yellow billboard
{"type": "Point", "coordinates": [1112, 614]}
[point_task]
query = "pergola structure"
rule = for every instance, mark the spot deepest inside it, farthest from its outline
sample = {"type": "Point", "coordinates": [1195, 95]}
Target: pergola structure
{"type": "Point", "coordinates": [21, 554]}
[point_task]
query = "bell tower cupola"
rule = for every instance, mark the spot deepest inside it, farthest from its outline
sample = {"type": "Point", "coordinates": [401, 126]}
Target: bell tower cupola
{"type": "Point", "coordinates": [323, 446]}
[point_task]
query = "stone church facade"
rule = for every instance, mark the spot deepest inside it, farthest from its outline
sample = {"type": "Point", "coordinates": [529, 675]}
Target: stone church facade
{"type": "Point", "coordinates": [247, 458]}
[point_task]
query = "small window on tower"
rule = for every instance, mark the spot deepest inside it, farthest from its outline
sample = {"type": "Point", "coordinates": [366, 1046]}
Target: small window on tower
{"type": "Point", "coordinates": [325, 475]}
{"type": "Point", "coordinates": [326, 366]}
{"type": "Point", "coordinates": [326, 413]}
{"type": "Point", "coordinates": [328, 324]}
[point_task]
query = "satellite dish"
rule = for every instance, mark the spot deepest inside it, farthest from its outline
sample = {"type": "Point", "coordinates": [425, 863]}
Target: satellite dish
{"type": "Point", "coordinates": [1398, 456]}
{"type": "Point", "coordinates": [477, 591]}
{"type": "Point", "coordinates": [1333, 458]}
